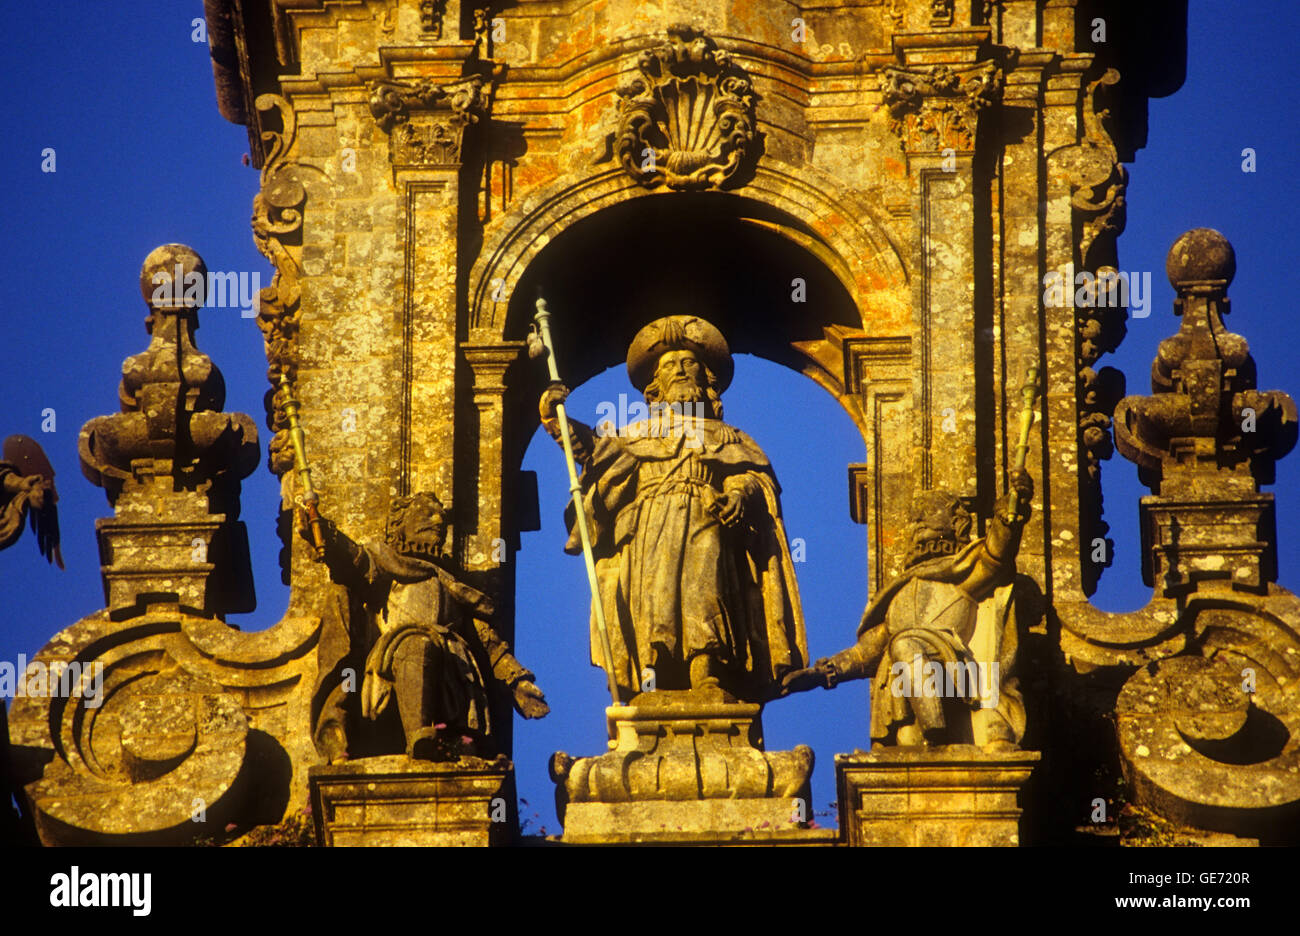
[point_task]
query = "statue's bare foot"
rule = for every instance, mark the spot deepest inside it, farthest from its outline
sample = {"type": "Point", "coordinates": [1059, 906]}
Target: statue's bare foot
{"type": "Point", "coordinates": [1000, 746]}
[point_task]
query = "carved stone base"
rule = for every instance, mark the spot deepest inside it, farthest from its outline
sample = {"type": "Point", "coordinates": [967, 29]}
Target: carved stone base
{"type": "Point", "coordinates": [394, 800]}
{"type": "Point", "coordinates": [686, 766]}
{"type": "Point", "coordinates": [954, 795]}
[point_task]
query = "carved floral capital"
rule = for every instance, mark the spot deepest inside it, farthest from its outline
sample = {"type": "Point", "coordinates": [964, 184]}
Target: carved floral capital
{"type": "Point", "coordinates": [938, 108]}
{"type": "Point", "coordinates": [426, 122]}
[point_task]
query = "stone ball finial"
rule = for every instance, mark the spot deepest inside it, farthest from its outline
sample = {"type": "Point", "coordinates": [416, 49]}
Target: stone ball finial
{"type": "Point", "coordinates": [1202, 256]}
{"type": "Point", "coordinates": [174, 277]}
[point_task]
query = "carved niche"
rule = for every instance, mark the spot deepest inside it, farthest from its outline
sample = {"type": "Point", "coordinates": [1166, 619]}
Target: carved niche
{"type": "Point", "coordinates": [431, 12]}
{"type": "Point", "coordinates": [687, 121]}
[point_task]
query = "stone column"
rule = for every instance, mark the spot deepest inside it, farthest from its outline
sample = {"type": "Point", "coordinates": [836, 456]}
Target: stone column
{"type": "Point", "coordinates": [426, 123]}
{"type": "Point", "coordinates": [485, 540]}
{"type": "Point", "coordinates": [935, 107]}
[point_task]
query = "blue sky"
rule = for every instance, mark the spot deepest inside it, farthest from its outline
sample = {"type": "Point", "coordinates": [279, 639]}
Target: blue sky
{"type": "Point", "coordinates": [143, 158]}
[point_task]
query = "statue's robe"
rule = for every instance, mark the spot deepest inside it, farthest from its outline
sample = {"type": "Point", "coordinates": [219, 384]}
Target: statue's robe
{"type": "Point", "coordinates": [959, 625]}
{"type": "Point", "coordinates": [399, 597]}
{"type": "Point", "coordinates": [673, 581]}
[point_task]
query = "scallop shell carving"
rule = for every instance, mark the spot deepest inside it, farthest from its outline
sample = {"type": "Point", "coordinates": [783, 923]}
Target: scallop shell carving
{"type": "Point", "coordinates": [687, 121]}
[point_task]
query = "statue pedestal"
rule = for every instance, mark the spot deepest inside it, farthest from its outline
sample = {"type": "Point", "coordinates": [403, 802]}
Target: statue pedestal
{"type": "Point", "coordinates": [394, 800]}
{"type": "Point", "coordinates": [686, 766]}
{"type": "Point", "coordinates": [952, 795]}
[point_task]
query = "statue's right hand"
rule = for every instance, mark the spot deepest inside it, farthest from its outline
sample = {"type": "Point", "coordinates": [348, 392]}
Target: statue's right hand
{"type": "Point", "coordinates": [303, 523]}
{"type": "Point", "coordinates": [554, 394]}
{"type": "Point", "coordinates": [801, 680]}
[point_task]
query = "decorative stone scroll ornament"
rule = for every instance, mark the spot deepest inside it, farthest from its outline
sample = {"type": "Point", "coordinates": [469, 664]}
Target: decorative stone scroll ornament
{"type": "Point", "coordinates": [687, 121]}
{"type": "Point", "coordinates": [277, 219]}
{"type": "Point", "coordinates": [1211, 737]}
{"type": "Point", "coordinates": [152, 721]}
{"type": "Point", "coordinates": [939, 108]}
{"type": "Point", "coordinates": [426, 122]}
{"type": "Point", "coordinates": [1097, 181]}
{"type": "Point", "coordinates": [1097, 178]}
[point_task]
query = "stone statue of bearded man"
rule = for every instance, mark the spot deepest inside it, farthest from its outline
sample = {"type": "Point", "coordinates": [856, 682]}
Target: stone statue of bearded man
{"type": "Point", "coordinates": [692, 561]}
{"type": "Point", "coordinates": [940, 641]}
{"type": "Point", "coordinates": [422, 637]}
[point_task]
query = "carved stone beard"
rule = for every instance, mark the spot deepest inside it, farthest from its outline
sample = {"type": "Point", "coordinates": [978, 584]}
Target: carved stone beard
{"type": "Point", "coordinates": [687, 392]}
{"type": "Point", "coordinates": [424, 545]}
{"type": "Point", "coordinates": [420, 547]}
{"type": "Point", "coordinates": [923, 549]}
{"type": "Point", "coordinates": [682, 391]}
{"type": "Point", "coordinates": [929, 542]}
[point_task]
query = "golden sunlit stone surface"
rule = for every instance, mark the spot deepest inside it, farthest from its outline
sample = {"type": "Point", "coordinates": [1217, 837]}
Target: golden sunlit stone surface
{"type": "Point", "coordinates": [874, 194]}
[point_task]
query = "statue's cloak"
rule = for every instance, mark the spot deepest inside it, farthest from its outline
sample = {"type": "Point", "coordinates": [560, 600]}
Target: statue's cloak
{"type": "Point", "coordinates": [353, 637]}
{"type": "Point", "coordinates": [994, 638]}
{"type": "Point", "coordinates": [672, 579]}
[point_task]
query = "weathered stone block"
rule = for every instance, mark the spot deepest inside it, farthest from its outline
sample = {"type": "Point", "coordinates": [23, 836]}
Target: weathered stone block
{"type": "Point", "coordinates": [394, 800]}
{"type": "Point", "coordinates": [685, 765]}
{"type": "Point", "coordinates": [954, 795]}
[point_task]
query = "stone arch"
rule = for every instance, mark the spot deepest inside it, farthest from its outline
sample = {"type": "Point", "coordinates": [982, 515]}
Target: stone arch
{"type": "Point", "coordinates": [855, 340]}
{"type": "Point", "coordinates": [838, 228]}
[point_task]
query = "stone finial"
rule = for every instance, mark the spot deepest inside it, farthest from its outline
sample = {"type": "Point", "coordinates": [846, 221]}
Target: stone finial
{"type": "Point", "coordinates": [1205, 421]}
{"type": "Point", "coordinates": [1200, 261]}
{"type": "Point", "coordinates": [1206, 439]}
{"type": "Point", "coordinates": [171, 461]}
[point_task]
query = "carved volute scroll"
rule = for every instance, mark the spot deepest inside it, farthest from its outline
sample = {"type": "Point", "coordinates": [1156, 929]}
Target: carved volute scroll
{"type": "Point", "coordinates": [1097, 181]}
{"type": "Point", "coordinates": [277, 225]}
{"type": "Point", "coordinates": [1097, 177]}
{"type": "Point", "coordinates": [687, 121]}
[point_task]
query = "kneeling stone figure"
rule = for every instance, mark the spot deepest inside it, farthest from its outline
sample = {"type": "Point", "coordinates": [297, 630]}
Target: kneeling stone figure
{"type": "Point", "coordinates": [430, 641]}
{"type": "Point", "coordinates": [949, 613]}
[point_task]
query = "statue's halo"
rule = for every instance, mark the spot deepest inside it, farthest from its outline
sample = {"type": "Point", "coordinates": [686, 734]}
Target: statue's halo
{"type": "Point", "coordinates": [678, 333]}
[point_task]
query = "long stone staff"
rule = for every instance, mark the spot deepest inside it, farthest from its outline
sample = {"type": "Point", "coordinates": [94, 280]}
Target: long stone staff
{"type": "Point", "coordinates": [1028, 392]}
{"type": "Point", "coordinates": [309, 499]}
{"type": "Point", "coordinates": [537, 348]}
